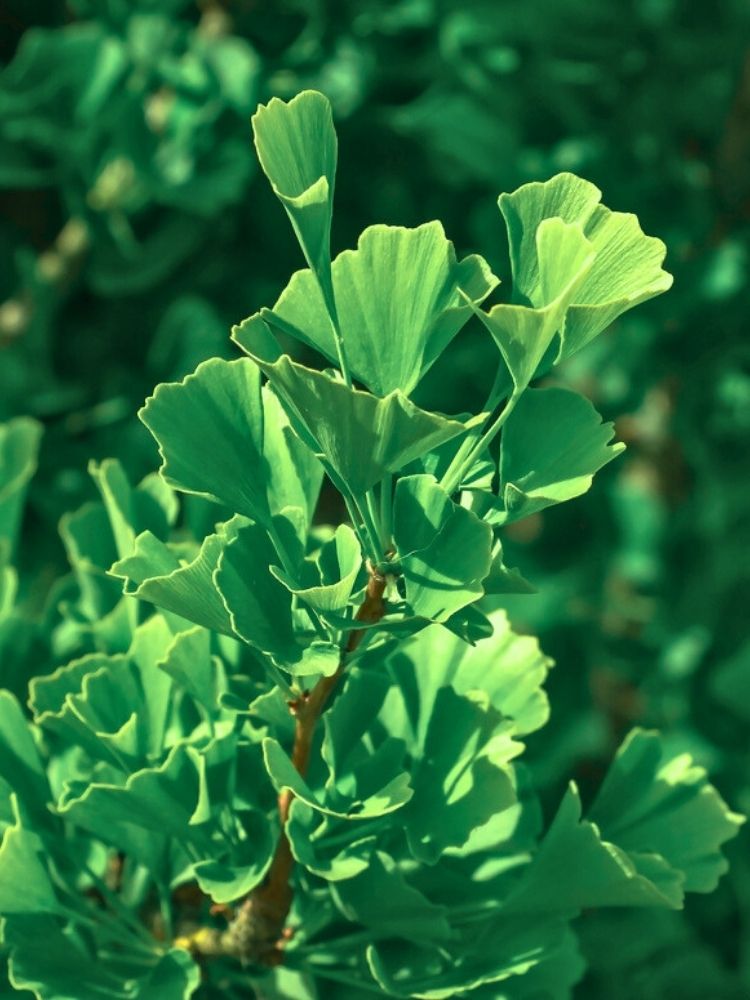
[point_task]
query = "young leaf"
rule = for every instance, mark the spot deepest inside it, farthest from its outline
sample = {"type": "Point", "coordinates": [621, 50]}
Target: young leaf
{"type": "Point", "coordinates": [297, 149]}
{"type": "Point", "coordinates": [523, 333]}
{"type": "Point", "coordinates": [401, 297]}
{"type": "Point", "coordinates": [626, 269]}
{"type": "Point", "coordinates": [553, 442]}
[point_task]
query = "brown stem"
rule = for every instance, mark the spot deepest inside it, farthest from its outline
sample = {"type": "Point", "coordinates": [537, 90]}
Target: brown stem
{"type": "Point", "coordinates": [258, 932]}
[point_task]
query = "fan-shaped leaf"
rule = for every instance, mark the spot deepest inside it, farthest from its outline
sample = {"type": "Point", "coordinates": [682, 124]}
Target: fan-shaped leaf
{"type": "Point", "coordinates": [626, 269]}
{"type": "Point", "coordinates": [401, 297]}
{"type": "Point", "coordinates": [553, 442]}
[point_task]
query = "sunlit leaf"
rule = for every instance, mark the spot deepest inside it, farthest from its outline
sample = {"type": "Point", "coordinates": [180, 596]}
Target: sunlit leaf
{"type": "Point", "coordinates": [625, 271]}
{"type": "Point", "coordinates": [401, 297]}
{"type": "Point", "coordinates": [297, 149]}
{"type": "Point", "coordinates": [552, 444]}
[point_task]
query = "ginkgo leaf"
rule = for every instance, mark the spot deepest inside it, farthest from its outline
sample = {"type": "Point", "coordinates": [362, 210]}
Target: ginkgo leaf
{"type": "Point", "coordinates": [284, 775]}
{"type": "Point", "coordinates": [151, 506]}
{"type": "Point", "coordinates": [65, 969]}
{"type": "Point", "coordinates": [553, 442]}
{"type": "Point", "coordinates": [25, 882]}
{"type": "Point", "coordinates": [499, 957]}
{"type": "Point", "coordinates": [444, 550]}
{"type": "Point", "coordinates": [361, 436]}
{"type": "Point", "coordinates": [381, 898]}
{"type": "Point", "coordinates": [576, 868]}
{"type": "Point", "coordinates": [20, 762]}
{"type": "Point", "coordinates": [297, 148]}
{"type": "Point", "coordinates": [221, 437]}
{"type": "Point", "coordinates": [185, 588]}
{"type": "Point", "coordinates": [401, 297]}
{"type": "Point", "coordinates": [338, 565]}
{"type": "Point", "coordinates": [626, 269]}
{"type": "Point", "coordinates": [653, 833]}
{"type": "Point", "coordinates": [461, 776]}
{"type": "Point", "coordinates": [260, 608]}
{"type": "Point", "coordinates": [233, 878]}
{"type": "Point", "coordinates": [307, 831]}
{"type": "Point", "coordinates": [508, 667]}
{"type": "Point", "coordinates": [189, 662]}
{"type": "Point", "coordinates": [654, 802]}
{"type": "Point", "coordinates": [524, 333]}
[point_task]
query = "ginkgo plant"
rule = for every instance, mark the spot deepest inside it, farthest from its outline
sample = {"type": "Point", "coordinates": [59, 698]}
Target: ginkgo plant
{"type": "Point", "coordinates": [287, 758]}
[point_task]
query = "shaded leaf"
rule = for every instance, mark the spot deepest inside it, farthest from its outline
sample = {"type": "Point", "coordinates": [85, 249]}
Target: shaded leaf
{"type": "Point", "coordinates": [444, 550]}
{"type": "Point", "coordinates": [361, 436]}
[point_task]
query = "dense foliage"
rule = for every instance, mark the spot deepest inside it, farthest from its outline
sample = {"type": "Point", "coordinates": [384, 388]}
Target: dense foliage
{"type": "Point", "coordinates": [139, 229]}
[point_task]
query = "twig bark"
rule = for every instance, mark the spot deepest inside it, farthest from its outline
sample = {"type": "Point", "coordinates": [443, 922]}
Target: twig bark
{"type": "Point", "coordinates": [258, 931]}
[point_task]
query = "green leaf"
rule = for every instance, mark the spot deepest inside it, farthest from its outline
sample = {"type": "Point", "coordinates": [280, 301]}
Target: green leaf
{"type": "Point", "coordinates": [308, 832]}
{"type": "Point", "coordinates": [509, 668]}
{"type": "Point", "coordinates": [445, 551]}
{"type": "Point", "coordinates": [186, 588]}
{"type": "Point", "coordinates": [94, 702]}
{"type": "Point", "coordinates": [651, 801]}
{"type": "Point", "coordinates": [381, 898]}
{"type": "Point", "coordinates": [553, 442]}
{"type": "Point", "coordinates": [150, 506]}
{"type": "Point", "coordinates": [25, 883]}
{"type": "Point", "coordinates": [361, 436]}
{"type": "Point", "coordinates": [20, 764]}
{"type": "Point", "coordinates": [56, 964]}
{"type": "Point", "coordinates": [524, 333]}
{"type": "Point", "coordinates": [626, 269]}
{"type": "Point", "coordinates": [165, 801]}
{"type": "Point", "coordinates": [338, 565]}
{"type": "Point", "coordinates": [91, 550]}
{"type": "Point", "coordinates": [401, 297]}
{"type": "Point", "coordinates": [189, 663]}
{"type": "Point", "coordinates": [575, 868]}
{"type": "Point", "coordinates": [284, 775]}
{"type": "Point", "coordinates": [461, 776]}
{"type": "Point", "coordinates": [297, 149]}
{"type": "Point", "coordinates": [226, 881]}
{"type": "Point", "coordinates": [260, 608]}
{"type": "Point", "coordinates": [503, 951]}
{"type": "Point", "coordinates": [213, 441]}
{"type": "Point", "coordinates": [663, 823]}
{"type": "Point", "coordinates": [19, 447]}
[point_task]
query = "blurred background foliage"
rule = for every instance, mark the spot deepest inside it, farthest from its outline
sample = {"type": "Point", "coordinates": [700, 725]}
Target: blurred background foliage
{"type": "Point", "coordinates": [135, 229]}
